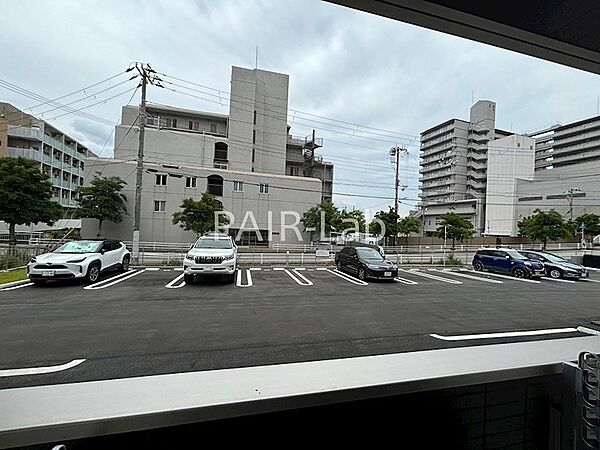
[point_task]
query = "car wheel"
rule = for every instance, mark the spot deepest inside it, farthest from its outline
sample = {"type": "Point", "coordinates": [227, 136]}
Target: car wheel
{"type": "Point", "coordinates": [125, 263]}
{"type": "Point", "coordinates": [93, 273]}
{"type": "Point", "coordinates": [189, 279]}
{"type": "Point", "coordinates": [362, 274]}
{"type": "Point", "coordinates": [555, 273]}
{"type": "Point", "coordinates": [477, 266]}
{"type": "Point", "coordinates": [338, 265]}
{"type": "Point", "coordinates": [519, 273]}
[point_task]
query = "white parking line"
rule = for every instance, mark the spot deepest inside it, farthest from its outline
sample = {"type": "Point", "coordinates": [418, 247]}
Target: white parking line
{"type": "Point", "coordinates": [433, 277]}
{"type": "Point", "coordinates": [464, 275]}
{"type": "Point", "coordinates": [405, 280]}
{"type": "Point", "coordinates": [152, 269]}
{"type": "Point", "coordinates": [40, 370]}
{"type": "Point", "coordinates": [117, 279]}
{"type": "Point", "coordinates": [558, 279]}
{"type": "Point", "coordinates": [178, 269]}
{"type": "Point", "coordinates": [347, 277]}
{"type": "Point", "coordinates": [298, 277]}
{"type": "Point", "coordinates": [465, 337]}
{"type": "Point", "coordinates": [592, 268]}
{"type": "Point", "coordinates": [239, 278]}
{"type": "Point", "coordinates": [255, 269]}
{"type": "Point", "coordinates": [526, 280]}
{"type": "Point", "coordinates": [173, 283]}
{"type": "Point", "coordinates": [590, 281]}
{"type": "Point", "coordinates": [19, 286]}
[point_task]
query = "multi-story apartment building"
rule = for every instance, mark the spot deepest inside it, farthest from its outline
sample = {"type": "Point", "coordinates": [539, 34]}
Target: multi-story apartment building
{"type": "Point", "coordinates": [566, 145]}
{"type": "Point", "coordinates": [58, 155]}
{"type": "Point", "coordinates": [247, 159]}
{"type": "Point", "coordinates": [453, 167]}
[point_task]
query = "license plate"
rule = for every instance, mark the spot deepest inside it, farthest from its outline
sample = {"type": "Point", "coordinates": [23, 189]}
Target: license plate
{"type": "Point", "coordinates": [47, 273]}
{"type": "Point", "coordinates": [387, 274]}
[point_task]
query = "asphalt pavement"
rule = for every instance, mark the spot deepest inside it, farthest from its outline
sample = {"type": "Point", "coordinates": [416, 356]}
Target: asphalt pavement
{"type": "Point", "coordinates": [148, 321]}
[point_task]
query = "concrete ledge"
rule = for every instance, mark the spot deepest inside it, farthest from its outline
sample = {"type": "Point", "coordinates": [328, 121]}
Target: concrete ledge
{"type": "Point", "coordinates": [69, 411]}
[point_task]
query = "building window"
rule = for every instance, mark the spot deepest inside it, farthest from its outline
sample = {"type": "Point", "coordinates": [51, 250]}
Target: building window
{"type": "Point", "coordinates": [254, 136]}
{"type": "Point", "coordinates": [161, 179]}
{"type": "Point", "coordinates": [254, 120]}
{"type": "Point", "coordinates": [174, 123]}
{"type": "Point", "coordinates": [293, 171]}
{"type": "Point", "coordinates": [263, 188]}
{"type": "Point", "coordinates": [220, 156]}
{"type": "Point", "coordinates": [159, 205]}
{"type": "Point", "coordinates": [213, 127]}
{"type": "Point", "coordinates": [253, 154]}
{"type": "Point", "coordinates": [190, 182]}
{"type": "Point", "coordinates": [215, 185]}
{"type": "Point", "coordinates": [238, 186]}
{"type": "Point", "coordinates": [191, 125]}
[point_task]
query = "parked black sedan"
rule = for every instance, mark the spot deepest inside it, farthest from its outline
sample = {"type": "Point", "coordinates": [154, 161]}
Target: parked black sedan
{"type": "Point", "coordinates": [365, 262]}
{"type": "Point", "coordinates": [557, 267]}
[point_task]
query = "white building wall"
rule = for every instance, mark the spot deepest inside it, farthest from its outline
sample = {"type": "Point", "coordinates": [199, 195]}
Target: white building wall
{"type": "Point", "coordinates": [296, 194]}
{"type": "Point", "coordinates": [508, 159]}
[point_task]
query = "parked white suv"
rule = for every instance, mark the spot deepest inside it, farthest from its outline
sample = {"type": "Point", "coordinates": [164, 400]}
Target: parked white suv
{"type": "Point", "coordinates": [212, 254]}
{"type": "Point", "coordinates": [79, 259]}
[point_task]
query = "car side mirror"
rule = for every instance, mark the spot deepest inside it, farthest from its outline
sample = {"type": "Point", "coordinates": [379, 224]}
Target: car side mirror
{"type": "Point", "coordinates": [102, 251]}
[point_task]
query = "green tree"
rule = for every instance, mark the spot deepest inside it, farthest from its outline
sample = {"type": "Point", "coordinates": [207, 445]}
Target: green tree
{"type": "Point", "coordinates": [199, 216]}
{"type": "Point", "coordinates": [102, 200]}
{"type": "Point", "coordinates": [407, 225]}
{"type": "Point", "coordinates": [455, 227]}
{"type": "Point", "coordinates": [389, 219]}
{"type": "Point", "coordinates": [331, 222]}
{"type": "Point", "coordinates": [352, 216]}
{"type": "Point", "coordinates": [26, 195]}
{"type": "Point", "coordinates": [543, 226]}
{"type": "Point", "coordinates": [591, 223]}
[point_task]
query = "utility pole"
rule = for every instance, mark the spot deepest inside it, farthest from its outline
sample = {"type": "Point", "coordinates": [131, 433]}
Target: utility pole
{"type": "Point", "coordinates": [395, 159]}
{"type": "Point", "coordinates": [569, 194]}
{"type": "Point", "coordinates": [148, 76]}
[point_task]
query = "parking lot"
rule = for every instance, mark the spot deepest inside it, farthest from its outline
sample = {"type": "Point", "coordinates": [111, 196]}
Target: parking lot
{"type": "Point", "coordinates": [148, 321]}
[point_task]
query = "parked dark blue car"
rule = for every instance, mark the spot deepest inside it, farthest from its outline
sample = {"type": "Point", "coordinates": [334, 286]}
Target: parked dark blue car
{"type": "Point", "coordinates": [507, 261]}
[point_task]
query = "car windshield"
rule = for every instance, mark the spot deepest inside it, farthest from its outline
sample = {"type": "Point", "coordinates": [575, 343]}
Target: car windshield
{"type": "Point", "coordinates": [369, 253]}
{"type": "Point", "coordinates": [213, 243]}
{"type": "Point", "coordinates": [554, 258]}
{"type": "Point", "coordinates": [515, 254]}
{"type": "Point", "coordinates": [79, 247]}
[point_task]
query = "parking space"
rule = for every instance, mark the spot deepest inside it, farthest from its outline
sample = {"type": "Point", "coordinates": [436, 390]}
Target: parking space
{"type": "Point", "coordinates": [149, 320]}
{"type": "Point", "coordinates": [139, 279]}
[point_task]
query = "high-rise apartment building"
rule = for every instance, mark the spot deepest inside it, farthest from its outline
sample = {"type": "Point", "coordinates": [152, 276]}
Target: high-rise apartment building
{"type": "Point", "coordinates": [453, 167]}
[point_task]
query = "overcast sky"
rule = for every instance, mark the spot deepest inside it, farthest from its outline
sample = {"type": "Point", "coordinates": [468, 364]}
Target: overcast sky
{"type": "Point", "coordinates": [343, 64]}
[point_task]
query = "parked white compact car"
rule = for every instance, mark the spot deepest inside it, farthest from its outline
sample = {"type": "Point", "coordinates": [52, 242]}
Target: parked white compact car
{"type": "Point", "coordinates": [79, 259]}
{"type": "Point", "coordinates": [212, 254]}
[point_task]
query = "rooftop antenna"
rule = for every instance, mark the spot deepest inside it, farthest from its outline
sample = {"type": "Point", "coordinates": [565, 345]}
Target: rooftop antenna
{"type": "Point", "coordinates": [598, 105]}
{"type": "Point", "coordinates": [472, 96]}
{"type": "Point", "coordinates": [256, 58]}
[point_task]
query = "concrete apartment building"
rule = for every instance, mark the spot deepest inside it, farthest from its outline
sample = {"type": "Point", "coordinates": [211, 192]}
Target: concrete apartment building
{"type": "Point", "coordinates": [453, 167]}
{"type": "Point", "coordinates": [247, 159]}
{"type": "Point", "coordinates": [567, 171]}
{"type": "Point", "coordinates": [495, 178]}
{"type": "Point", "coordinates": [57, 154]}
